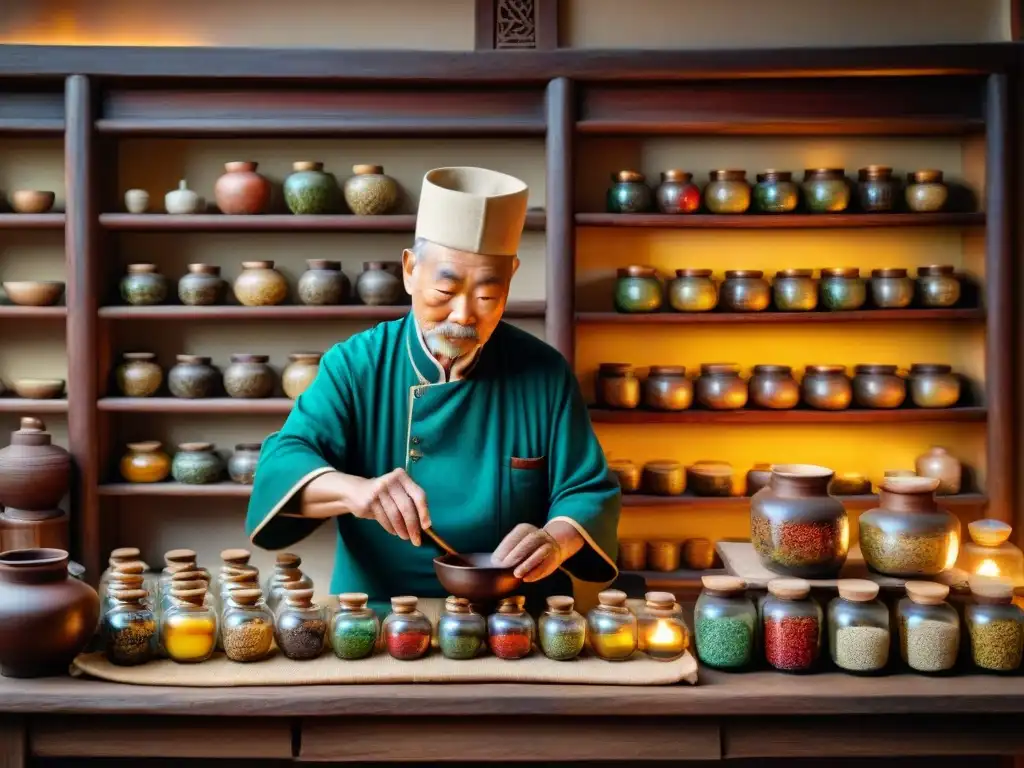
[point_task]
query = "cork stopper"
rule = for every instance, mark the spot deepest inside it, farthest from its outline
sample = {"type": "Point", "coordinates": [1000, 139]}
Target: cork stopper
{"type": "Point", "coordinates": [662, 601]}
{"type": "Point", "coordinates": [307, 165]}
{"type": "Point", "coordinates": [192, 596]}
{"type": "Point", "coordinates": [613, 600]}
{"type": "Point", "coordinates": [204, 269]}
{"type": "Point", "coordinates": [191, 584]}
{"type": "Point", "coordinates": [858, 590]}
{"type": "Point", "coordinates": [560, 603]}
{"type": "Point", "coordinates": [353, 601]}
{"type": "Point", "coordinates": [454, 604]}
{"type": "Point", "coordinates": [989, 533]}
{"type": "Point", "coordinates": [189, 575]}
{"type": "Point", "coordinates": [238, 576]}
{"type": "Point", "coordinates": [789, 589]}
{"type": "Point", "coordinates": [180, 556]}
{"type": "Point", "coordinates": [292, 585]}
{"type": "Point", "coordinates": [989, 590]}
{"type": "Point", "coordinates": [246, 596]}
{"type": "Point", "coordinates": [802, 470]}
{"type": "Point", "coordinates": [128, 595]}
{"type": "Point", "coordinates": [299, 598]}
{"type": "Point", "coordinates": [927, 592]}
{"type": "Point", "coordinates": [129, 566]}
{"type": "Point", "coordinates": [514, 604]}
{"type": "Point", "coordinates": [141, 269]}
{"type": "Point", "coordinates": [723, 585]}
{"type": "Point", "coordinates": [363, 170]}
{"type": "Point", "coordinates": [123, 554]}
{"type": "Point", "coordinates": [287, 560]}
{"type": "Point", "coordinates": [236, 556]}
{"type": "Point", "coordinates": [126, 581]}
{"type": "Point", "coordinates": [404, 604]}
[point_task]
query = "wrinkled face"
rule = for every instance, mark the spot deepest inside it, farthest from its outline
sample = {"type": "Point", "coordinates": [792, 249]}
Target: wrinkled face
{"type": "Point", "coordinates": [457, 297]}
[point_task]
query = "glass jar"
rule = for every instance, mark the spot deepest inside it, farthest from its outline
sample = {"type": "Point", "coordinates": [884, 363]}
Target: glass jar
{"type": "Point", "coordinates": [878, 386]}
{"type": "Point", "coordinates": [629, 193]}
{"type": "Point", "coordinates": [995, 626]}
{"type": "Point", "coordinates": [139, 375]}
{"type": "Point", "coordinates": [145, 463]}
{"type": "Point", "coordinates": [617, 386]}
{"type": "Point", "coordinates": [773, 387]}
{"type": "Point", "coordinates": [891, 288]}
{"type": "Point", "coordinates": [406, 631]}
{"type": "Point", "coordinates": [117, 557]}
{"type": "Point", "coordinates": [128, 628]}
{"type": "Point", "coordinates": [638, 289]}
{"type": "Point", "coordinates": [188, 628]}
{"type": "Point", "coordinates": [826, 190]}
{"type": "Point", "coordinates": [143, 286]}
{"type": "Point", "coordinates": [926, 191]}
{"type": "Point", "coordinates": [792, 626]}
{"type": "Point", "coordinates": [988, 553]}
{"type": "Point", "coordinates": [938, 286]}
{"type": "Point", "coordinates": [720, 387]}
{"type": "Point", "coordinates": [796, 527]}
{"type": "Point", "coordinates": [287, 570]}
{"type": "Point", "coordinates": [692, 290]}
{"type": "Point", "coordinates": [240, 577]}
{"type": "Point", "coordinates": [627, 473]}
{"type": "Point", "coordinates": [795, 290]}
{"type": "Point", "coordinates": [663, 478]}
{"type": "Point", "coordinates": [724, 620]}
{"type": "Point", "coordinates": [126, 576]}
{"type": "Point", "coordinates": [355, 628]}
{"type": "Point", "coordinates": [301, 625]}
{"type": "Point", "coordinates": [842, 289]}
{"type": "Point", "coordinates": [197, 464]}
{"type": "Point", "coordinates": [461, 632]}
{"type": "Point", "coordinates": [929, 628]}
{"type": "Point", "coordinates": [826, 387]}
{"type": "Point", "coordinates": [677, 193]}
{"type": "Point", "coordinates": [666, 388]}
{"type": "Point", "coordinates": [933, 385]}
{"type": "Point", "coordinates": [661, 632]}
{"type": "Point", "coordinates": [247, 626]}
{"type": "Point", "coordinates": [744, 290]}
{"type": "Point", "coordinates": [727, 192]}
{"type": "Point", "coordinates": [193, 377]}
{"type": "Point", "coordinates": [511, 631]}
{"type": "Point", "coordinates": [562, 631]}
{"type": "Point", "coordinates": [875, 188]}
{"type": "Point", "coordinates": [775, 192]}
{"type": "Point", "coordinates": [611, 627]}
{"type": "Point", "coordinates": [858, 627]}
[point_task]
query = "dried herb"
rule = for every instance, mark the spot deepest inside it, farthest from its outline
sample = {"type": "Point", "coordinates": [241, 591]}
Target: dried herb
{"type": "Point", "coordinates": [406, 646]}
{"type": "Point", "coordinates": [249, 641]}
{"type": "Point", "coordinates": [725, 642]}
{"type": "Point", "coordinates": [796, 544]}
{"type": "Point", "coordinates": [903, 552]}
{"type": "Point", "coordinates": [130, 637]}
{"type": "Point", "coordinates": [299, 638]}
{"type": "Point", "coordinates": [460, 647]}
{"type": "Point", "coordinates": [354, 638]}
{"type": "Point", "coordinates": [562, 646]}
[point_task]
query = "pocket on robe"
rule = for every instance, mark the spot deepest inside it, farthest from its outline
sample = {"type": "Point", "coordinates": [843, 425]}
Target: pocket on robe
{"type": "Point", "coordinates": [529, 491]}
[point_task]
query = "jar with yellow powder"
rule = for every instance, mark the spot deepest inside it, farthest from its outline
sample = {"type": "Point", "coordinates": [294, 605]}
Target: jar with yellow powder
{"type": "Point", "coordinates": [612, 627]}
{"type": "Point", "coordinates": [188, 629]}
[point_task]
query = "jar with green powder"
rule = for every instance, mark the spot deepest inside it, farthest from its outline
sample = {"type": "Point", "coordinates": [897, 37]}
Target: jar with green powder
{"type": "Point", "coordinates": [562, 631]}
{"type": "Point", "coordinates": [724, 620]}
{"type": "Point", "coordinates": [354, 628]}
{"type": "Point", "coordinates": [995, 626]}
{"type": "Point", "coordinates": [461, 633]}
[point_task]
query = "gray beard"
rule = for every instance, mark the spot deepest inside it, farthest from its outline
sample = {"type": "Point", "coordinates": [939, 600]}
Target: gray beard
{"type": "Point", "coordinates": [443, 347]}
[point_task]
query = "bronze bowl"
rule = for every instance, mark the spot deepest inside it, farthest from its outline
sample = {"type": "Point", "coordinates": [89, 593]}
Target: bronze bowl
{"type": "Point", "coordinates": [474, 577]}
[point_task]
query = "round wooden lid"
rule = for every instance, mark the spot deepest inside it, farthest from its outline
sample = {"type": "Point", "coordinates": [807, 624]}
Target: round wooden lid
{"type": "Point", "coordinates": [126, 580]}
{"type": "Point", "coordinates": [514, 604]}
{"type": "Point", "coordinates": [915, 484]}
{"type": "Point", "coordinates": [560, 603]}
{"type": "Point", "coordinates": [991, 590]}
{"type": "Point", "coordinates": [456, 604]}
{"type": "Point", "coordinates": [180, 555]}
{"type": "Point", "coordinates": [353, 600]}
{"type": "Point", "coordinates": [288, 560]}
{"type": "Point", "coordinates": [989, 533]}
{"type": "Point", "coordinates": [246, 596]}
{"type": "Point", "coordinates": [262, 264]}
{"type": "Point", "coordinates": [801, 470]}
{"type": "Point", "coordinates": [146, 446]}
{"type": "Point", "coordinates": [125, 553]}
{"type": "Point", "coordinates": [204, 269]}
{"type": "Point", "coordinates": [129, 566]}
{"type": "Point", "coordinates": [195, 447]}
{"type": "Point", "coordinates": [927, 592]}
{"type": "Point", "coordinates": [858, 590]}
{"type": "Point", "coordinates": [789, 589]}
{"type": "Point", "coordinates": [726, 585]}
{"type": "Point", "coordinates": [194, 596]}
{"type": "Point", "coordinates": [612, 598]}
{"type": "Point", "coordinates": [404, 604]}
{"type": "Point", "coordinates": [240, 577]}
{"type": "Point", "coordinates": [362, 170]}
{"type": "Point", "coordinates": [143, 356]}
{"type": "Point", "coordinates": [239, 556]}
{"type": "Point", "coordinates": [189, 584]}
{"type": "Point", "coordinates": [129, 595]}
{"type": "Point", "coordinates": [299, 597]}
{"type": "Point", "coordinates": [660, 600]}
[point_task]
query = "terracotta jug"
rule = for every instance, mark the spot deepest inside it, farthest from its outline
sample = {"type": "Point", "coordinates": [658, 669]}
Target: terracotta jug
{"type": "Point", "coordinates": [46, 617]}
{"type": "Point", "coordinates": [34, 473]}
{"type": "Point", "coordinates": [242, 191]}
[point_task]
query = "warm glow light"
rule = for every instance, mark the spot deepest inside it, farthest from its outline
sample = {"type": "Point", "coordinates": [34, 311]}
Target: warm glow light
{"type": "Point", "coordinates": [954, 550]}
{"type": "Point", "coordinates": [988, 567]}
{"type": "Point", "coordinates": [665, 634]}
{"type": "Point", "coordinates": [844, 534]}
{"type": "Point", "coordinates": [61, 27]}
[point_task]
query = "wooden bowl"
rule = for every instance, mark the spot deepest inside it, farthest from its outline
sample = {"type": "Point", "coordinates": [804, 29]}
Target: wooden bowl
{"type": "Point", "coordinates": [31, 201]}
{"type": "Point", "coordinates": [38, 389]}
{"type": "Point", "coordinates": [34, 293]}
{"type": "Point", "coordinates": [474, 577]}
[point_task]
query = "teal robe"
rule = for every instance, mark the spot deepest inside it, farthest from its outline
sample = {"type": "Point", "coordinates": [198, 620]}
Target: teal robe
{"type": "Point", "coordinates": [509, 443]}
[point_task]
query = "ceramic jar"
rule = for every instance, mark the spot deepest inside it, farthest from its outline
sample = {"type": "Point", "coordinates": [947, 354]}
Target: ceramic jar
{"type": "Point", "coordinates": [875, 188]}
{"type": "Point", "coordinates": [136, 201]}
{"type": "Point", "coordinates": [628, 475]}
{"type": "Point", "coordinates": [242, 191]}
{"type": "Point", "coordinates": [709, 478]}
{"type": "Point", "coordinates": [826, 190]}
{"type": "Point", "coordinates": [368, 192]}
{"type": "Point", "coordinates": [193, 377]}
{"type": "Point", "coordinates": [677, 193]}
{"type": "Point", "coordinates": [632, 555]}
{"type": "Point", "coordinates": [744, 290]}
{"type": "Point", "coordinates": [699, 554]}
{"type": "Point", "coordinates": [663, 478]}
{"type": "Point", "coordinates": [775, 192]}
{"type": "Point", "coordinates": [300, 372]}
{"type": "Point", "coordinates": [249, 376]}
{"type": "Point", "coordinates": [323, 283]}
{"type": "Point", "coordinates": [858, 628]}
{"type": "Point", "coordinates": [143, 286]}
{"type": "Point", "coordinates": [629, 193]}
{"type": "Point", "coordinates": [826, 387]}
{"type": "Point", "coordinates": [379, 284]}
{"type": "Point", "coordinates": [145, 463]}
{"type": "Point", "coordinates": [727, 192]}
{"type": "Point", "coordinates": [663, 556]}
{"type": "Point", "coordinates": [202, 286]}
{"type": "Point", "coordinates": [939, 464]}
{"type": "Point", "coordinates": [46, 616]}
{"type": "Point", "coordinates": [511, 630]}
{"type": "Point", "coordinates": [260, 285]}
{"type": "Point", "coordinates": [561, 631]}
{"type": "Point", "coordinates": [183, 200]}
{"type": "Point", "coordinates": [197, 464]}
{"type": "Point", "coordinates": [791, 626]}
{"type": "Point", "coordinates": [612, 627]}
{"type": "Point", "coordinates": [242, 463]}
{"type": "Point", "coordinates": [617, 386]}
{"type": "Point", "coordinates": [926, 191]}
{"type": "Point", "coordinates": [933, 385]}
{"type": "Point", "coordinates": [139, 375]}
{"type": "Point", "coordinates": [724, 621]}
{"type": "Point", "coordinates": [638, 289]}
{"type": "Point", "coordinates": [908, 535]}
{"type": "Point", "coordinates": [795, 290]}
{"type": "Point", "coordinates": [891, 288]}
{"type": "Point", "coordinates": [720, 387]}
{"type": "Point", "coordinates": [666, 388]}
{"type": "Point", "coordinates": [842, 289]}
{"type": "Point", "coordinates": [929, 628]}
{"type": "Point", "coordinates": [878, 386]}
{"type": "Point", "coordinates": [796, 527]}
{"type": "Point", "coordinates": [692, 290]}
{"type": "Point", "coordinates": [34, 473]}
{"type": "Point", "coordinates": [937, 286]}
{"type": "Point", "coordinates": [308, 190]}
{"type": "Point", "coordinates": [773, 387]}
{"type": "Point", "coordinates": [355, 628]}
{"type": "Point", "coordinates": [758, 476]}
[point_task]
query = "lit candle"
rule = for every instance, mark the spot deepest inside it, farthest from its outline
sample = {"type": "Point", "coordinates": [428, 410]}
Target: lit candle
{"type": "Point", "coordinates": [987, 567]}
{"type": "Point", "coordinates": [665, 640]}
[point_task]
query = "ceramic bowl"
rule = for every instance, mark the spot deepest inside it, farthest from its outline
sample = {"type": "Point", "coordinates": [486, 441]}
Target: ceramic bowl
{"type": "Point", "coordinates": [38, 389]}
{"type": "Point", "coordinates": [474, 577]}
{"type": "Point", "coordinates": [989, 533]}
{"type": "Point", "coordinates": [31, 201]}
{"type": "Point", "coordinates": [34, 293]}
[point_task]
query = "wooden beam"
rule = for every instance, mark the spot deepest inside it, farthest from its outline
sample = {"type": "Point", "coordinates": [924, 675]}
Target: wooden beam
{"type": "Point", "coordinates": [484, 21]}
{"type": "Point", "coordinates": [559, 327]}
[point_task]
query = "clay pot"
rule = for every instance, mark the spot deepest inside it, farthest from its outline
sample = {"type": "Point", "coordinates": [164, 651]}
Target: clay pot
{"type": "Point", "coordinates": [311, 191]}
{"type": "Point", "coordinates": [878, 386]}
{"type": "Point", "coordinates": [183, 200]}
{"type": "Point", "coordinates": [709, 478]}
{"type": "Point", "coordinates": [629, 193]}
{"type": "Point", "coordinates": [136, 201]}
{"type": "Point", "coordinates": [720, 387]}
{"type": "Point", "coordinates": [32, 201]}
{"type": "Point", "coordinates": [193, 377]}
{"type": "Point", "coordinates": [698, 554]}
{"type": "Point", "coordinates": [677, 193]}
{"type": "Point", "coordinates": [34, 473]}
{"type": "Point", "coordinates": [773, 387]}
{"type": "Point", "coordinates": [249, 376]}
{"type": "Point", "coordinates": [242, 464]}
{"type": "Point", "coordinates": [323, 283]}
{"type": "Point", "coordinates": [143, 286]}
{"type": "Point", "coordinates": [202, 286]}
{"type": "Point", "coordinates": [242, 191]}
{"type": "Point", "coordinates": [667, 388]}
{"type": "Point", "coordinates": [145, 463]}
{"type": "Point", "coordinates": [369, 192]}
{"type": "Point", "coordinates": [300, 372]}
{"type": "Point", "coordinates": [934, 385]}
{"type": "Point", "coordinates": [197, 464]}
{"type": "Point", "coordinates": [826, 387]}
{"type": "Point", "coordinates": [24, 529]}
{"type": "Point", "coordinates": [260, 285]}
{"type": "Point", "coordinates": [34, 293]}
{"type": "Point", "coordinates": [937, 463]}
{"type": "Point", "coordinates": [378, 285]}
{"type": "Point", "coordinates": [628, 475]}
{"type": "Point", "coordinates": [139, 375]}
{"type": "Point", "coordinates": [46, 617]}
{"type": "Point", "coordinates": [616, 386]}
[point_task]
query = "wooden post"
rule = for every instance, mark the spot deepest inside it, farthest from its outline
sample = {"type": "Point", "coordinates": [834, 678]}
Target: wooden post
{"type": "Point", "coordinates": [560, 325]}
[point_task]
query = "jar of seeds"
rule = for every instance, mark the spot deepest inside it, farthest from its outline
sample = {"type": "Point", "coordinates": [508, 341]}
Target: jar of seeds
{"type": "Point", "coordinates": [611, 627]}
{"type": "Point", "coordinates": [188, 628]}
{"type": "Point", "coordinates": [792, 625]}
{"type": "Point", "coordinates": [511, 631]}
{"type": "Point", "coordinates": [247, 626]}
{"type": "Point", "coordinates": [724, 620]}
{"type": "Point", "coordinates": [929, 628]}
{"type": "Point", "coordinates": [406, 631]}
{"type": "Point", "coordinates": [129, 628]}
{"type": "Point", "coordinates": [995, 626]}
{"type": "Point", "coordinates": [858, 627]}
{"type": "Point", "coordinates": [461, 633]}
{"type": "Point", "coordinates": [301, 625]}
{"type": "Point", "coordinates": [562, 631]}
{"type": "Point", "coordinates": [354, 628]}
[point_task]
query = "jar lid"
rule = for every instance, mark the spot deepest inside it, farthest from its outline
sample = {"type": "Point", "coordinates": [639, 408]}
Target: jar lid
{"type": "Point", "coordinates": [728, 174]}
{"type": "Point", "coordinates": [713, 369]}
{"type": "Point", "coordinates": [129, 567]}
{"type": "Point", "coordinates": [615, 368]}
{"type": "Point", "coordinates": [307, 165]}
{"type": "Point", "coordinates": [773, 175]}
{"type": "Point", "coordinates": [127, 580]}
{"type": "Point", "coordinates": [128, 595]}
{"type": "Point", "coordinates": [989, 590]}
{"type": "Point", "coordinates": [723, 585]}
{"type": "Point", "coordinates": [711, 469]}
{"type": "Point", "coordinates": [194, 359]}
{"type": "Point", "coordinates": [621, 464]}
{"type": "Point", "coordinates": [875, 368]}
{"type": "Point", "coordinates": [353, 601]}
{"type": "Point", "coordinates": [936, 269]}
{"type": "Point", "coordinates": [364, 170]}
{"type": "Point", "coordinates": [404, 604]}
{"type": "Point", "coordinates": [857, 590]}
{"type": "Point", "coordinates": [139, 356]}
{"type": "Point", "coordinates": [371, 266]}
{"type": "Point", "coordinates": [454, 604]}
{"type": "Point", "coordinates": [195, 447]}
{"type": "Point", "coordinates": [299, 598]}
{"type": "Point", "coordinates": [874, 172]}
{"type": "Point", "coordinates": [677, 175]}
{"type": "Point", "coordinates": [287, 559]}
{"type": "Point", "coordinates": [927, 592]}
{"type": "Point", "coordinates": [988, 532]}
{"type": "Point", "coordinates": [262, 264]}
{"type": "Point", "coordinates": [245, 357]}
{"type": "Point", "coordinates": [514, 604]}
{"type": "Point", "coordinates": [327, 264]}
{"type": "Point", "coordinates": [770, 369]}
{"type": "Point", "coordinates": [141, 269]}
{"type": "Point", "coordinates": [235, 556]}
{"type": "Point", "coordinates": [829, 368]}
{"type": "Point", "coordinates": [662, 466]}
{"type": "Point", "coordinates": [796, 471]}
{"type": "Point", "coordinates": [789, 589]}
{"type": "Point", "coordinates": [613, 600]}
{"type": "Point", "coordinates": [810, 173]}
{"type": "Point", "coordinates": [628, 176]}
{"type": "Point", "coordinates": [667, 370]}
{"type": "Point", "coordinates": [795, 273]}
{"type": "Point", "coordinates": [191, 596]}
{"type": "Point", "coordinates": [204, 269]}
{"type": "Point", "coordinates": [661, 601]}
{"type": "Point", "coordinates": [889, 272]}
{"type": "Point", "coordinates": [928, 176]}
{"type": "Point", "coordinates": [180, 556]}
{"type": "Point", "coordinates": [917, 368]}
{"type": "Point", "coordinates": [910, 485]}
{"type": "Point", "coordinates": [847, 272]}
{"type": "Point", "coordinates": [693, 273]}
{"type": "Point", "coordinates": [126, 553]}
{"type": "Point", "coordinates": [560, 603]}
{"type": "Point", "coordinates": [306, 357]}
{"type": "Point", "coordinates": [637, 270]}
{"type": "Point", "coordinates": [246, 596]}
{"type": "Point", "coordinates": [737, 274]}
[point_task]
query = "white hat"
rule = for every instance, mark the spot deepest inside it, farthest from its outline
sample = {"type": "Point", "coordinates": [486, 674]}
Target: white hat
{"type": "Point", "coordinates": [473, 210]}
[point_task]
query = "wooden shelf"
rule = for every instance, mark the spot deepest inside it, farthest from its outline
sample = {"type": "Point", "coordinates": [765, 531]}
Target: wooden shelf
{"type": "Point", "coordinates": [420, 127]}
{"type": "Point", "coordinates": [727, 503]}
{"type": "Point", "coordinates": [209, 490]}
{"type": "Point", "coordinates": [794, 416]}
{"type": "Point", "coordinates": [783, 221]}
{"type": "Point", "coordinates": [211, 405]}
{"type": "Point", "coordinates": [31, 126]}
{"type": "Point", "coordinates": [516, 310]}
{"type": "Point", "coordinates": [11, 404]}
{"type": "Point", "coordinates": [13, 311]}
{"type": "Point", "coordinates": [273, 222]}
{"type": "Point", "coordinates": [975, 315]}
{"type": "Point", "coordinates": [684, 577]}
{"type": "Point", "coordinates": [32, 220]}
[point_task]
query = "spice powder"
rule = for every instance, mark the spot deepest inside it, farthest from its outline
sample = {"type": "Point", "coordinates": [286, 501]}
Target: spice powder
{"type": "Point", "coordinates": [791, 643]}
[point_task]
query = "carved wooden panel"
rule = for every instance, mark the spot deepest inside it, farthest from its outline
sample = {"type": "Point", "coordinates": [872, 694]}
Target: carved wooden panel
{"type": "Point", "coordinates": [516, 24]}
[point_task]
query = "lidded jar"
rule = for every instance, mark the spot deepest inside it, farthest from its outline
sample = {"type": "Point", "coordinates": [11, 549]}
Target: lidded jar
{"type": "Point", "coordinates": [720, 388]}
{"type": "Point", "coordinates": [995, 626]}
{"type": "Point", "coordinates": [744, 290]}
{"type": "Point", "coordinates": [929, 628]}
{"type": "Point", "coordinates": [202, 286]}
{"type": "Point", "coordinates": [369, 192]}
{"type": "Point", "coordinates": [242, 464]}
{"type": "Point", "coordinates": [511, 631]}
{"type": "Point", "coordinates": [231, 561]}
{"type": "Point", "coordinates": [260, 285]}
{"type": "Point", "coordinates": [875, 188]}
{"type": "Point", "coordinates": [938, 286]}
{"type": "Point", "coordinates": [677, 193]}
{"type": "Point", "coordinates": [406, 631]}
{"type": "Point", "coordinates": [926, 191]}
{"type": "Point", "coordinates": [188, 628]}
{"type": "Point", "coordinates": [773, 387]}
{"type": "Point", "coordinates": [143, 286]}
{"type": "Point", "coordinates": [124, 576]}
{"type": "Point", "coordinates": [128, 629]}
{"type": "Point", "coordinates": [175, 561]}
{"type": "Point", "coordinates": [826, 387]}
{"type": "Point", "coordinates": [692, 290]}
{"type": "Point", "coordinates": [775, 192]}
{"type": "Point", "coordinates": [638, 289]}
{"type": "Point", "coordinates": [34, 473]}
{"type": "Point", "coordinates": [797, 528]}
{"type": "Point", "coordinates": [323, 283]}
{"type": "Point", "coordinates": [139, 375]}
{"type": "Point", "coordinates": [724, 620]}
{"type": "Point", "coordinates": [826, 190]}
{"type": "Point", "coordinates": [300, 372]}
{"type": "Point", "coordinates": [616, 386]}
{"type": "Point", "coordinates": [145, 462]}
{"type": "Point", "coordinates": [663, 478]}
{"type": "Point", "coordinates": [196, 464]}
{"type": "Point", "coordinates": [117, 557]}
{"type": "Point", "coordinates": [287, 570]}
{"type": "Point", "coordinates": [632, 554]}
{"type": "Point", "coordinates": [308, 190]}
{"type": "Point", "coordinates": [661, 632]}
{"type": "Point", "coordinates": [242, 191]}
{"type": "Point", "coordinates": [193, 377]}
{"type": "Point", "coordinates": [858, 627]}
{"type": "Point", "coordinates": [562, 631]}
{"type": "Point", "coordinates": [938, 463]}
{"type": "Point", "coordinates": [461, 632]}
{"type": "Point", "coordinates": [908, 534]}
{"type": "Point", "coordinates": [727, 191]}
{"type": "Point", "coordinates": [891, 288]}
{"type": "Point", "coordinates": [666, 388]}
{"type": "Point", "coordinates": [627, 473]}
{"type": "Point", "coordinates": [354, 628]}
{"type": "Point", "coordinates": [612, 627]}
{"type": "Point", "coordinates": [795, 290]}
{"type": "Point", "coordinates": [629, 193]}
{"type": "Point", "coordinates": [301, 625]}
{"type": "Point", "coordinates": [247, 626]}
{"type": "Point", "coordinates": [183, 200]}
{"type": "Point", "coordinates": [791, 625]}
{"type": "Point", "coordinates": [842, 289]}
{"type": "Point", "coordinates": [239, 577]}
{"type": "Point", "coordinates": [934, 385]}
{"type": "Point", "coordinates": [249, 376]}
{"type": "Point", "coordinates": [878, 386]}
{"type": "Point", "coordinates": [378, 285]}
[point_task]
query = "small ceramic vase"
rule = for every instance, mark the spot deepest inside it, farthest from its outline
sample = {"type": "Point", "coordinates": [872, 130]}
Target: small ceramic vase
{"type": "Point", "coordinates": [938, 286]}
{"type": "Point", "coordinates": [183, 200]}
{"type": "Point", "coordinates": [34, 473]}
{"type": "Point", "coordinates": [241, 191]}
{"type": "Point", "coordinates": [934, 385]}
{"type": "Point", "coordinates": [826, 387]}
{"type": "Point", "coordinates": [775, 192]}
{"type": "Point", "coordinates": [260, 285]}
{"type": "Point", "coordinates": [143, 286]}
{"type": "Point", "coordinates": [310, 191]}
{"type": "Point", "coordinates": [369, 192]}
{"type": "Point", "coordinates": [727, 192]}
{"type": "Point", "coordinates": [638, 289]}
{"type": "Point", "coordinates": [202, 286]}
{"type": "Point", "coordinates": [795, 290]}
{"type": "Point", "coordinates": [677, 193]}
{"type": "Point", "coordinates": [300, 372]}
{"type": "Point", "coordinates": [891, 288]}
{"type": "Point", "coordinates": [197, 464]}
{"type": "Point", "coordinates": [378, 286]}
{"type": "Point", "coordinates": [136, 201]}
{"type": "Point", "coordinates": [875, 188]}
{"type": "Point", "coordinates": [249, 377]}
{"type": "Point", "coordinates": [323, 283]}
{"type": "Point", "coordinates": [926, 191]}
{"type": "Point", "coordinates": [826, 190]}
{"type": "Point", "coordinates": [744, 290]}
{"type": "Point", "coordinates": [242, 464]}
{"type": "Point", "coordinates": [629, 193]}
{"type": "Point", "coordinates": [139, 375]}
{"type": "Point", "coordinates": [774, 387]}
{"type": "Point", "coordinates": [145, 463]}
{"type": "Point", "coordinates": [193, 377]}
{"type": "Point", "coordinates": [939, 464]}
{"type": "Point", "coordinates": [878, 387]}
{"type": "Point", "coordinates": [720, 387]}
{"type": "Point", "coordinates": [693, 290]}
{"type": "Point", "coordinates": [842, 289]}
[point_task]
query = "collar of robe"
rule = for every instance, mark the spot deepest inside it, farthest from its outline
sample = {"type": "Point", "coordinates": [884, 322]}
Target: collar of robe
{"type": "Point", "coordinates": [427, 369]}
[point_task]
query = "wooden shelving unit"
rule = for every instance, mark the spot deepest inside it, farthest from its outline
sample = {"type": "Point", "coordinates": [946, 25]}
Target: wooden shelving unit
{"type": "Point", "coordinates": [155, 222]}
{"type": "Point", "coordinates": [32, 220]}
{"type": "Point", "coordinates": [794, 416]}
{"type": "Point", "coordinates": [975, 315]}
{"type": "Point", "coordinates": [521, 310]}
{"type": "Point", "coordinates": [788, 221]}
{"type": "Point", "coordinates": [732, 503]}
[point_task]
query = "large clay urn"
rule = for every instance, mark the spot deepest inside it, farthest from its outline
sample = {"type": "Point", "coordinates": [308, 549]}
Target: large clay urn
{"type": "Point", "coordinates": [242, 191]}
{"type": "Point", "coordinates": [46, 617]}
{"type": "Point", "coordinates": [34, 473]}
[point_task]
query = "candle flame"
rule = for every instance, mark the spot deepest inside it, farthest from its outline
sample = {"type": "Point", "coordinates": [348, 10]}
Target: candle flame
{"type": "Point", "coordinates": [664, 634]}
{"type": "Point", "coordinates": [953, 551]}
{"type": "Point", "coordinates": [988, 567]}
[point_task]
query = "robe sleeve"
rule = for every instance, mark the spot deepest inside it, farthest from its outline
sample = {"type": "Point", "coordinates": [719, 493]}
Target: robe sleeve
{"type": "Point", "coordinates": [584, 493]}
{"type": "Point", "coordinates": [312, 442]}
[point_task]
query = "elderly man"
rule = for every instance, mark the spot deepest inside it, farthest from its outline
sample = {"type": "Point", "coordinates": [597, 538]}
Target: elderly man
{"type": "Point", "coordinates": [448, 418]}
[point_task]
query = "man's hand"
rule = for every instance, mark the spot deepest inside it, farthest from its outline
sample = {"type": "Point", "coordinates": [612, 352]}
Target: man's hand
{"type": "Point", "coordinates": [533, 552]}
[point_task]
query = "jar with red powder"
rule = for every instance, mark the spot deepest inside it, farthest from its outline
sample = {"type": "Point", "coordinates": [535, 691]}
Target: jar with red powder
{"type": "Point", "coordinates": [406, 631]}
{"type": "Point", "coordinates": [792, 626]}
{"type": "Point", "coordinates": [511, 631]}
